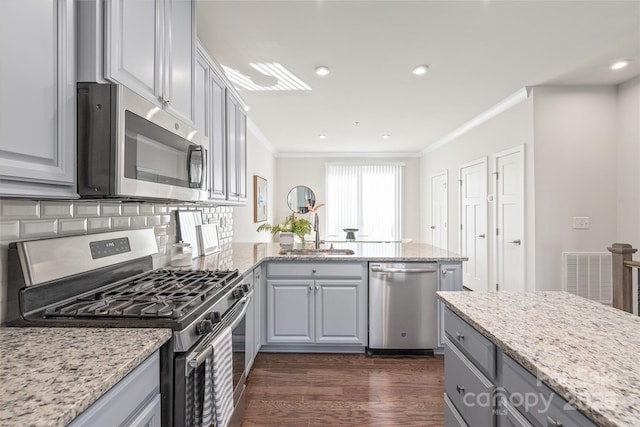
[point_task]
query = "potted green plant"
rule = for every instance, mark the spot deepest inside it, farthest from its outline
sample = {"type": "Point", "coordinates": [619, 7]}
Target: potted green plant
{"type": "Point", "coordinates": [298, 226]}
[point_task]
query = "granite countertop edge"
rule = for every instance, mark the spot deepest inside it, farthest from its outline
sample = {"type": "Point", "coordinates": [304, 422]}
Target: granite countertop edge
{"type": "Point", "coordinates": [536, 367]}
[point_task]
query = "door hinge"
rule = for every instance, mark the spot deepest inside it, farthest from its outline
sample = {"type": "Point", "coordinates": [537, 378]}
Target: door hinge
{"type": "Point", "coordinates": [497, 174]}
{"type": "Point", "coordinates": [460, 226]}
{"type": "Point", "coordinates": [460, 182]}
{"type": "Point", "coordinates": [497, 231]}
{"type": "Point", "coordinates": [497, 286]}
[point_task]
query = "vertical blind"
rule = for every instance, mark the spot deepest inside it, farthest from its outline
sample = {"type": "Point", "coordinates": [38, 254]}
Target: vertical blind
{"type": "Point", "coordinates": [366, 197]}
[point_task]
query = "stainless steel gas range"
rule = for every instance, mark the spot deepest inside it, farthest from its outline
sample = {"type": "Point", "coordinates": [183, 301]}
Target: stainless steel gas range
{"type": "Point", "coordinates": [108, 280]}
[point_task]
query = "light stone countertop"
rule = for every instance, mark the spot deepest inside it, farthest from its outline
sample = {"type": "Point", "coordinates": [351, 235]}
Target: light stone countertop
{"type": "Point", "coordinates": [48, 376]}
{"type": "Point", "coordinates": [586, 352]}
{"type": "Point", "coordinates": [246, 256]}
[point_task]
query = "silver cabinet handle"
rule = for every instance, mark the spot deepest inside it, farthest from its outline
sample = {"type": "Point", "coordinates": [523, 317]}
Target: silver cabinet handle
{"type": "Point", "coordinates": [482, 236]}
{"type": "Point", "coordinates": [459, 336]}
{"type": "Point", "coordinates": [317, 287]}
{"type": "Point", "coordinates": [310, 287]}
{"type": "Point", "coordinates": [460, 389]}
{"type": "Point", "coordinates": [553, 423]}
{"type": "Point", "coordinates": [515, 242]}
{"type": "Point", "coordinates": [313, 271]}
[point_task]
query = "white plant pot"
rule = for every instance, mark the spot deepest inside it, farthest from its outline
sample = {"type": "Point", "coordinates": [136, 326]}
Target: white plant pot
{"type": "Point", "coordinates": [286, 240]}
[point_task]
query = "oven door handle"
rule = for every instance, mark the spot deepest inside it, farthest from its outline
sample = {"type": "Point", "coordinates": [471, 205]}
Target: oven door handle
{"type": "Point", "coordinates": [199, 359]}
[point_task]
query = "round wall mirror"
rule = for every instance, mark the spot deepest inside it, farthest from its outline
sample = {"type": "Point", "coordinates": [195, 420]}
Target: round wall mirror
{"type": "Point", "coordinates": [299, 197]}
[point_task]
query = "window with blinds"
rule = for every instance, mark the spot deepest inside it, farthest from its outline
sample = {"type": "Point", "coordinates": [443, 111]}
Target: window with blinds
{"type": "Point", "coordinates": [364, 196]}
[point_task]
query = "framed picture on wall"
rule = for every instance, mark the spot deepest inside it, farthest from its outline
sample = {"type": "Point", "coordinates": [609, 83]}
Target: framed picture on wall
{"type": "Point", "coordinates": [259, 199]}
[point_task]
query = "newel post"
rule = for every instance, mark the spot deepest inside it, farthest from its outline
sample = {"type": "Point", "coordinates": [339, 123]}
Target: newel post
{"type": "Point", "coordinates": [622, 281]}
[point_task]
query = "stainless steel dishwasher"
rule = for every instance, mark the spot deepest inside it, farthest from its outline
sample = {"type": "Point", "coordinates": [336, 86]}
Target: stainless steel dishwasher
{"type": "Point", "coordinates": [402, 307]}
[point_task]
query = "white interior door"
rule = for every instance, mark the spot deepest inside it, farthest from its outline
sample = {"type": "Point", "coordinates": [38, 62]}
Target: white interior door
{"type": "Point", "coordinates": [473, 224]}
{"type": "Point", "coordinates": [509, 219]}
{"type": "Point", "coordinates": [439, 211]}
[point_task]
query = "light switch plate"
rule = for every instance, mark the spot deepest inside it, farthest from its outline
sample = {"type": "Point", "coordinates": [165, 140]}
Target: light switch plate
{"type": "Point", "coordinates": [581, 222]}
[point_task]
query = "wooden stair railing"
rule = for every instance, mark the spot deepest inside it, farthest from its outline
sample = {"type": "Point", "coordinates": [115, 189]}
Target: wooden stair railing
{"type": "Point", "coordinates": [622, 265]}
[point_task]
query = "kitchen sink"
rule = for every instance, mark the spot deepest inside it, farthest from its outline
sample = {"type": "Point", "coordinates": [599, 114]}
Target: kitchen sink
{"type": "Point", "coordinates": [315, 252]}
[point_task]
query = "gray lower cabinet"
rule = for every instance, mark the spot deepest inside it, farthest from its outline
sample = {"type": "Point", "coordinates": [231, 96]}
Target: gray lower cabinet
{"type": "Point", "coordinates": [38, 94]}
{"type": "Point", "coordinates": [134, 401]}
{"type": "Point", "coordinates": [316, 304]}
{"type": "Point", "coordinates": [486, 387]}
{"type": "Point", "coordinates": [449, 279]}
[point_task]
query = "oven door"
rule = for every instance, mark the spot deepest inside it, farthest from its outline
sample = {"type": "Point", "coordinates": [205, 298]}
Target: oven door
{"type": "Point", "coordinates": [191, 396]}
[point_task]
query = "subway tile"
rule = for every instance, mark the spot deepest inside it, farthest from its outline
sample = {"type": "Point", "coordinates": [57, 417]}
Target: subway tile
{"type": "Point", "coordinates": [56, 209]}
{"type": "Point", "coordinates": [160, 209]}
{"type": "Point", "coordinates": [138, 222]}
{"type": "Point", "coordinates": [146, 209]}
{"type": "Point", "coordinates": [9, 230]}
{"type": "Point", "coordinates": [161, 230]}
{"type": "Point", "coordinates": [130, 208]}
{"type": "Point", "coordinates": [120, 222]}
{"type": "Point", "coordinates": [110, 209]}
{"type": "Point", "coordinates": [99, 224]}
{"type": "Point", "coordinates": [19, 209]}
{"type": "Point", "coordinates": [30, 229]}
{"type": "Point", "coordinates": [87, 209]}
{"type": "Point", "coordinates": [153, 220]}
{"type": "Point", "coordinates": [72, 226]}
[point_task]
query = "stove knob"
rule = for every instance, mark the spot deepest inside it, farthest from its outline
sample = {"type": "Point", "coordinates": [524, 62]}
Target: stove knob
{"type": "Point", "coordinates": [214, 317]}
{"type": "Point", "coordinates": [204, 327]}
{"type": "Point", "coordinates": [237, 293]}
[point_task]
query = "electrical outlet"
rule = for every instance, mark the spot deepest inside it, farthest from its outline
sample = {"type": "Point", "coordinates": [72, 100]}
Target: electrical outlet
{"type": "Point", "coordinates": [581, 222]}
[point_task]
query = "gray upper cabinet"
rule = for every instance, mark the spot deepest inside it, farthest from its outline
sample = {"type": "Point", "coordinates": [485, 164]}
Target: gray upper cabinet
{"type": "Point", "coordinates": [145, 45]}
{"type": "Point", "coordinates": [38, 101]}
{"type": "Point", "coordinates": [221, 116]}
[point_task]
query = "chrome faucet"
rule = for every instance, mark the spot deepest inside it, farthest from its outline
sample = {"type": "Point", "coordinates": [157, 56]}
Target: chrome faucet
{"type": "Point", "coordinates": [316, 228]}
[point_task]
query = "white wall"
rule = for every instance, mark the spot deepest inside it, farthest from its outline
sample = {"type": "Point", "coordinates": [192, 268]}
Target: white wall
{"type": "Point", "coordinates": [310, 171]}
{"type": "Point", "coordinates": [511, 128]}
{"type": "Point", "coordinates": [261, 162]}
{"type": "Point", "coordinates": [629, 169]}
{"type": "Point", "coordinates": [575, 174]}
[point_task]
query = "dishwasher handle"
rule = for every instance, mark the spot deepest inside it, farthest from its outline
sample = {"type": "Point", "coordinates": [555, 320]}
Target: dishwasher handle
{"type": "Point", "coordinates": [403, 270]}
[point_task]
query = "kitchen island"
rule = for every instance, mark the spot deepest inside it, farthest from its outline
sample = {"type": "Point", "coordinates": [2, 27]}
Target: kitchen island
{"type": "Point", "coordinates": [49, 376]}
{"type": "Point", "coordinates": [584, 351]}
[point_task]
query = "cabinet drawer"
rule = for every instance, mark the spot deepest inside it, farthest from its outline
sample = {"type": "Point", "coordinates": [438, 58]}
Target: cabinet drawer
{"type": "Point", "coordinates": [452, 417]}
{"type": "Point", "coordinates": [479, 349]}
{"type": "Point", "coordinates": [311, 270]}
{"type": "Point", "coordinates": [535, 400]}
{"type": "Point", "coordinates": [508, 416]}
{"type": "Point", "coordinates": [469, 390]}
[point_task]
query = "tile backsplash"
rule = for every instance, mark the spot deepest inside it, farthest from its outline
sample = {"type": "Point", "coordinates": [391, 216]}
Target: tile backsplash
{"type": "Point", "coordinates": [22, 219]}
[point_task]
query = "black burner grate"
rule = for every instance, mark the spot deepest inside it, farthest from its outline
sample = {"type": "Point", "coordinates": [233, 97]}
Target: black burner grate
{"type": "Point", "coordinates": [167, 294]}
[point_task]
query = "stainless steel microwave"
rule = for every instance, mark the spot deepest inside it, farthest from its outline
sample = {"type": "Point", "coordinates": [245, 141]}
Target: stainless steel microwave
{"type": "Point", "coordinates": [130, 148]}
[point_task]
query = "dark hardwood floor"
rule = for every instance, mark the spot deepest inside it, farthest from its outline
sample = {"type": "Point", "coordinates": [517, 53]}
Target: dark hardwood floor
{"type": "Point", "coordinates": [314, 390]}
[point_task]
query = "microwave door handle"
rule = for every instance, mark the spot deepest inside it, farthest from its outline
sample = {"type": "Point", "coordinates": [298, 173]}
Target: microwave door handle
{"type": "Point", "coordinates": [190, 177]}
{"type": "Point", "coordinates": [203, 175]}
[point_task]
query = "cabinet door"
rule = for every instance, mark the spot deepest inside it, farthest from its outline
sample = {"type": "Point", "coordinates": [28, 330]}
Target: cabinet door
{"type": "Point", "coordinates": [249, 322]}
{"type": "Point", "coordinates": [233, 189]}
{"type": "Point", "coordinates": [290, 311]}
{"type": "Point", "coordinates": [150, 415]}
{"type": "Point", "coordinates": [37, 93]}
{"type": "Point", "coordinates": [201, 96]}
{"type": "Point", "coordinates": [338, 308]}
{"type": "Point", "coordinates": [217, 138]}
{"type": "Point", "coordinates": [134, 46]}
{"type": "Point", "coordinates": [449, 279]}
{"type": "Point", "coordinates": [179, 56]}
{"type": "Point", "coordinates": [257, 296]}
{"type": "Point", "coordinates": [241, 159]}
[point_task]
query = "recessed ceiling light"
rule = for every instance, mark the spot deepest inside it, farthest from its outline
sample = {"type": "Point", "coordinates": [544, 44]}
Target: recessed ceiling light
{"type": "Point", "coordinates": [322, 136]}
{"type": "Point", "coordinates": [618, 65]}
{"type": "Point", "coordinates": [322, 70]}
{"type": "Point", "coordinates": [386, 136]}
{"type": "Point", "coordinates": [421, 70]}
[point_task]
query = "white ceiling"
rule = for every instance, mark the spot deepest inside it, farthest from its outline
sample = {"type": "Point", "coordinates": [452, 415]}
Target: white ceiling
{"type": "Point", "coordinates": [479, 52]}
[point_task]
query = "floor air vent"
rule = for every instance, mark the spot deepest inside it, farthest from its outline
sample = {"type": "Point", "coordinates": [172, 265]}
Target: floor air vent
{"type": "Point", "coordinates": [588, 274]}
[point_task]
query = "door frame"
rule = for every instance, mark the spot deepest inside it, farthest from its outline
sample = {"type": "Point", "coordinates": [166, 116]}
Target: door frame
{"type": "Point", "coordinates": [444, 172]}
{"type": "Point", "coordinates": [494, 166]}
